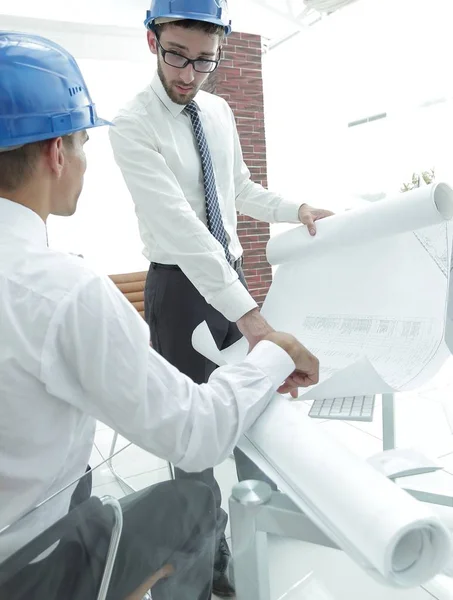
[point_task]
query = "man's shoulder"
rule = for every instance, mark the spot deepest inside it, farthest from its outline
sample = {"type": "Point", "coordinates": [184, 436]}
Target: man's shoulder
{"type": "Point", "coordinates": [140, 106]}
{"type": "Point", "coordinates": [65, 273]}
{"type": "Point", "coordinates": [74, 284]}
{"type": "Point", "coordinates": [212, 102]}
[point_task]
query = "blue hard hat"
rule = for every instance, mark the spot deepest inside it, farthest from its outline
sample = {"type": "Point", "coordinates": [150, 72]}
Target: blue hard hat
{"type": "Point", "coordinates": [42, 92]}
{"type": "Point", "coordinates": [210, 11]}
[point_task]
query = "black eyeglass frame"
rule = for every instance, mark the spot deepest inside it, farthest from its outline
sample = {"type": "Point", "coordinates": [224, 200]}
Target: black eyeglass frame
{"type": "Point", "coordinates": [188, 61]}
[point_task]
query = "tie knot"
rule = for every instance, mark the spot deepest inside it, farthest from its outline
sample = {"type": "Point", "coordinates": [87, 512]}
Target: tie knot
{"type": "Point", "coordinates": [192, 108]}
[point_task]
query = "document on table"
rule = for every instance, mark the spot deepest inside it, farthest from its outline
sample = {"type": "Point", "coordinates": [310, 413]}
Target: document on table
{"type": "Point", "coordinates": [369, 295]}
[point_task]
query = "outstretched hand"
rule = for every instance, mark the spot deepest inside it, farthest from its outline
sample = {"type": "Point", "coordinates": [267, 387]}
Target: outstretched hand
{"type": "Point", "coordinates": [309, 215]}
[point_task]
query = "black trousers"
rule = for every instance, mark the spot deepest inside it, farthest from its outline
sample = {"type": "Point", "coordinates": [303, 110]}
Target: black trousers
{"type": "Point", "coordinates": [169, 523]}
{"type": "Point", "coordinates": [173, 309]}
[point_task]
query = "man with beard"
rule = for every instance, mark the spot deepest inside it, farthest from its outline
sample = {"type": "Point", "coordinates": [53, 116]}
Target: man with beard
{"type": "Point", "coordinates": [180, 155]}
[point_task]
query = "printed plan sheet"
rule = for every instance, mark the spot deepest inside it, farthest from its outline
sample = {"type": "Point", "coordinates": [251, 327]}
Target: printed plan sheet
{"type": "Point", "coordinates": [369, 294]}
{"type": "Point", "coordinates": [379, 296]}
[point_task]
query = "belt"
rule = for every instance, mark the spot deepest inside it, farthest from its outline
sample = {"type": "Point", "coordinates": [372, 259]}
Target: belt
{"type": "Point", "coordinates": [236, 264]}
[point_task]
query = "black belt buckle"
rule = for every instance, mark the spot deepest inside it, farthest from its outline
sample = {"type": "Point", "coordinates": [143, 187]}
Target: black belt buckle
{"type": "Point", "coordinates": [237, 264]}
{"type": "Point", "coordinates": [165, 266]}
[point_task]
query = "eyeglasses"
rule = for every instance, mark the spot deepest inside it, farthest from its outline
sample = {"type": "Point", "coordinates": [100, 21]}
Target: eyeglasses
{"type": "Point", "coordinates": [201, 65]}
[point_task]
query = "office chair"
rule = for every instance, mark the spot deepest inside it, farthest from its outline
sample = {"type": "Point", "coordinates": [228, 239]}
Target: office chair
{"type": "Point", "coordinates": [90, 509]}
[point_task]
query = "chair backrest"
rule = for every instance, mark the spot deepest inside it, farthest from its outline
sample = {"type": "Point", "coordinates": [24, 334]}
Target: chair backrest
{"type": "Point", "coordinates": [90, 509]}
{"type": "Point", "coordinates": [132, 285]}
{"type": "Point", "coordinates": [76, 533]}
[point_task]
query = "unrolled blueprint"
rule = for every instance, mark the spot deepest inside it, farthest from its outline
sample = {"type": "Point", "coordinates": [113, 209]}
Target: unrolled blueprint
{"type": "Point", "coordinates": [369, 294]}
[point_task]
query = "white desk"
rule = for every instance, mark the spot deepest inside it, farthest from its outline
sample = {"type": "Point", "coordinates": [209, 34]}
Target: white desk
{"type": "Point", "coordinates": [271, 536]}
{"type": "Point", "coordinates": [436, 487]}
{"type": "Point", "coordinates": [258, 515]}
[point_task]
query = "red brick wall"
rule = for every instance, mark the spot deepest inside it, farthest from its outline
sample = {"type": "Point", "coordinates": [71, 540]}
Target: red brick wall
{"type": "Point", "coordinates": [239, 80]}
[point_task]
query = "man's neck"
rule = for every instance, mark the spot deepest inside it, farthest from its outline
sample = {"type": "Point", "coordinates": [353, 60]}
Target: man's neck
{"type": "Point", "coordinates": [27, 198]}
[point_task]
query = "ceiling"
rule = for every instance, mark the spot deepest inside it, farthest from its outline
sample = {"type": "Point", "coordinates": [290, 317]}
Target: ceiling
{"type": "Point", "coordinates": [273, 19]}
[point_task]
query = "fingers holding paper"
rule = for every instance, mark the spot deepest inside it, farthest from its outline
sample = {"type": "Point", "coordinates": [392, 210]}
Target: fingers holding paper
{"type": "Point", "coordinates": [294, 382]}
{"type": "Point", "coordinates": [306, 372]}
{"type": "Point", "coordinates": [309, 215]}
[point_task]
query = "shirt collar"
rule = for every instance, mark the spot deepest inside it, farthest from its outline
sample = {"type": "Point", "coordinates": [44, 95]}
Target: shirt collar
{"type": "Point", "coordinates": [159, 90]}
{"type": "Point", "coordinates": [24, 222]}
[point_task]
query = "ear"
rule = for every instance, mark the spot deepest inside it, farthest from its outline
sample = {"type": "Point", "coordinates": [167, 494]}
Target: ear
{"type": "Point", "coordinates": [152, 43]}
{"type": "Point", "coordinates": [55, 156]}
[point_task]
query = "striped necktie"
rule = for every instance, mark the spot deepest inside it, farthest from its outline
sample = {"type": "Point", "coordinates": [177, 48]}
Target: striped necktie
{"type": "Point", "coordinates": [213, 214]}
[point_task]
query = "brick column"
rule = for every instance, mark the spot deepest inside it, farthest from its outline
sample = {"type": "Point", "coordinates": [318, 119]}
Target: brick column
{"type": "Point", "coordinates": [239, 81]}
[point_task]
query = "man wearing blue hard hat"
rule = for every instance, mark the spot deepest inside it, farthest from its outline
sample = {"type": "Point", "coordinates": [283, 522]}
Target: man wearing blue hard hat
{"type": "Point", "coordinates": [74, 350]}
{"type": "Point", "coordinates": [180, 155]}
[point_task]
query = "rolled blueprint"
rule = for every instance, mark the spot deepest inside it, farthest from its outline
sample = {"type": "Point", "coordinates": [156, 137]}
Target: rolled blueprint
{"type": "Point", "coordinates": [420, 208]}
{"type": "Point", "coordinates": [369, 295]}
{"type": "Point", "coordinates": [394, 537]}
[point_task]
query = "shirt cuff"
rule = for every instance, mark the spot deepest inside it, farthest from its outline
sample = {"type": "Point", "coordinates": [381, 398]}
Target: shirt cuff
{"type": "Point", "coordinates": [273, 361]}
{"type": "Point", "coordinates": [234, 302]}
{"type": "Point", "coordinates": [287, 212]}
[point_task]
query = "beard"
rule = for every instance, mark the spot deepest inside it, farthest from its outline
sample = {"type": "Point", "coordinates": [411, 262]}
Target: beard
{"type": "Point", "coordinates": [172, 92]}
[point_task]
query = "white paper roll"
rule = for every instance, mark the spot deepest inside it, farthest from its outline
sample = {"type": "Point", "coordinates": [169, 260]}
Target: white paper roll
{"type": "Point", "coordinates": [390, 534]}
{"type": "Point", "coordinates": [422, 207]}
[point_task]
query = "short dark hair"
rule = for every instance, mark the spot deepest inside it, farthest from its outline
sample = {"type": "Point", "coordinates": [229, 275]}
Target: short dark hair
{"type": "Point", "coordinates": [204, 26]}
{"type": "Point", "coordinates": [17, 166]}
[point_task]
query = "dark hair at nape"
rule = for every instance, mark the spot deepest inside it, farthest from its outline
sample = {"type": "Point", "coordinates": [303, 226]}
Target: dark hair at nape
{"type": "Point", "coordinates": [204, 26]}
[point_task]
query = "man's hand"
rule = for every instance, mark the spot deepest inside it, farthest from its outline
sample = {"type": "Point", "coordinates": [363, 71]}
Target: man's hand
{"type": "Point", "coordinates": [307, 365]}
{"type": "Point", "coordinates": [254, 327]}
{"type": "Point", "coordinates": [308, 215]}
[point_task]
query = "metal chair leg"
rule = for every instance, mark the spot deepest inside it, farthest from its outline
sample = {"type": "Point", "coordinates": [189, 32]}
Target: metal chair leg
{"type": "Point", "coordinates": [112, 447]}
{"type": "Point", "coordinates": [117, 476]}
{"type": "Point", "coordinates": [113, 546]}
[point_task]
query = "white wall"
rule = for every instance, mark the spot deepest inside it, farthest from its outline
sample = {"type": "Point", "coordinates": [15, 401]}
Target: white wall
{"type": "Point", "coordinates": [116, 64]}
{"type": "Point", "coordinates": [123, 13]}
{"type": "Point", "coordinates": [104, 228]}
{"type": "Point", "coordinates": [85, 40]}
{"type": "Point", "coordinates": [377, 56]}
{"type": "Point", "coordinates": [247, 15]}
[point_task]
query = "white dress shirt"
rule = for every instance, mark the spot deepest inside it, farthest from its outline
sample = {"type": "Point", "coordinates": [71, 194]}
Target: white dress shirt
{"type": "Point", "coordinates": [73, 350]}
{"type": "Point", "coordinates": [155, 148]}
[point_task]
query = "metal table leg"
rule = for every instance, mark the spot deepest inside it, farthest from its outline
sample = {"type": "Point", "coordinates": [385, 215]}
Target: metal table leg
{"type": "Point", "coordinates": [388, 421]}
{"type": "Point", "coordinates": [251, 565]}
{"type": "Point", "coordinates": [255, 512]}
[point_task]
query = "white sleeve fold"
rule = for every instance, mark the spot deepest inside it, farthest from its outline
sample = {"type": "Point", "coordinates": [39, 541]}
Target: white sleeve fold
{"type": "Point", "coordinates": [97, 358]}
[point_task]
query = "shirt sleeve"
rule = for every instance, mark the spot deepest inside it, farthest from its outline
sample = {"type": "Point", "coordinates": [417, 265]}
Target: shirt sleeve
{"type": "Point", "coordinates": [97, 358]}
{"type": "Point", "coordinates": [163, 210]}
{"type": "Point", "coordinates": [253, 199]}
